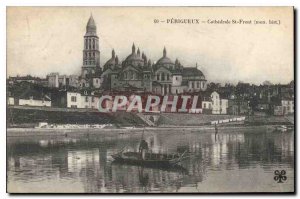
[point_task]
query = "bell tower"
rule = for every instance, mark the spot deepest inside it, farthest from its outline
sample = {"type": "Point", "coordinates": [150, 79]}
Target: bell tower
{"type": "Point", "coordinates": [91, 51]}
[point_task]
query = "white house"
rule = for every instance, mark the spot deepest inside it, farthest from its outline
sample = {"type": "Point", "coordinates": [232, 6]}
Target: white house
{"type": "Point", "coordinates": [215, 98]}
{"type": "Point", "coordinates": [73, 100]}
{"type": "Point", "coordinates": [89, 100]}
{"type": "Point", "coordinates": [217, 104]}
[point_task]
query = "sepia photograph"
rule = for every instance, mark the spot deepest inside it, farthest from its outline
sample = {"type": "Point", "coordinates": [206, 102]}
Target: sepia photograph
{"type": "Point", "coordinates": [150, 100]}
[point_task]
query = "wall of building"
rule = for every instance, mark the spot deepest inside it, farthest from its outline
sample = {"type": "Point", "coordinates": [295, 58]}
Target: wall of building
{"type": "Point", "coordinates": [215, 97]}
{"type": "Point", "coordinates": [97, 82]}
{"type": "Point", "coordinates": [176, 80]}
{"type": "Point", "coordinates": [32, 102]}
{"type": "Point", "coordinates": [73, 100]}
{"type": "Point", "coordinates": [53, 80]}
{"type": "Point", "coordinates": [288, 106]}
{"type": "Point", "coordinates": [223, 106]}
{"type": "Point", "coordinates": [11, 101]}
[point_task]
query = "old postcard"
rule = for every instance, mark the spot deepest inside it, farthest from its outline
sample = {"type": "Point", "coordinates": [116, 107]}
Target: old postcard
{"type": "Point", "coordinates": [150, 100]}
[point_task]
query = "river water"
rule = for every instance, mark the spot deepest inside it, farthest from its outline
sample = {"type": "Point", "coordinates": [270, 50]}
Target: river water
{"type": "Point", "coordinates": [231, 161]}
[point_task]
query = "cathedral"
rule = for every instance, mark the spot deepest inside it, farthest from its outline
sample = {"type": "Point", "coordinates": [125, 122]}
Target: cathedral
{"type": "Point", "coordinates": [136, 72]}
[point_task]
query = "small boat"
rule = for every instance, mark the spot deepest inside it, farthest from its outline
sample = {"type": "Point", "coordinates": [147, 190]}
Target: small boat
{"type": "Point", "coordinates": [151, 159]}
{"type": "Point", "coordinates": [172, 168]}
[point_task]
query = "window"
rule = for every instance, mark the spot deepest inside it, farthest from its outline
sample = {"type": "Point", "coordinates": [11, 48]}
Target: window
{"type": "Point", "coordinates": [73, 98]}
{"type": "Point", "coordinates": [198, 85]}
{"type": "Point", "coordinates": [192, 84]}
{"type": "Point", "coordinates": [93, 99]}
{"type": "Point", "coordinates": [204, 105]}
{"type": "Point", "coordinates": [157, 77]}
{"type": "Point", "coordinates": [168, 77]}
{"type": "Point", "coordinates": [86, 99]}
{"type": "Point", "coordinates": [73, 106]}
{"type": "Point", "coordinates": [176, 78]}
{"type": "Point", "coordinates": [163, 77]}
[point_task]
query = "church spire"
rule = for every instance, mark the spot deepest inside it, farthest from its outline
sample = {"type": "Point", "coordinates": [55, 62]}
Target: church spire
{"type": "Point", "coordinates": [117, 60]}
{"type": "Point", "coordinates": [133, 48]}
{"type": "Point", "coordinates": [138, 52]}
{"type": "Point", "coordinates": [165, 52]}
{"type": "Point", "coordinates": [113, 53]}
{"type": "Point", "coordinates": [91, 28]}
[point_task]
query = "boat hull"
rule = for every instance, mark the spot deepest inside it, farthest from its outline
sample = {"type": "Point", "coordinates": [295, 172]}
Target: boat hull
{"type": "Point", "coordinates": [147, 162]}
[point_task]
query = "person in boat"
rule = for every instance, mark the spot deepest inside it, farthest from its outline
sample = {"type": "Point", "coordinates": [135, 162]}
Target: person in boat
{"type": "Point", "coordinates": [216, 129]}
{"type": "Point", "coordinates": [143, 149]}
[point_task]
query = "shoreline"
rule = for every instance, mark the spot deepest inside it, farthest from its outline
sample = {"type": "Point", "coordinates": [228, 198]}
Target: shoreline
{"type": "Point", "coordinates": [23, 132]}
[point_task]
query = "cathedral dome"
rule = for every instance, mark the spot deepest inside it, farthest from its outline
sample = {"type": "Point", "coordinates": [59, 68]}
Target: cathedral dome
{"type": "Point", "coordinates": [164, 60]}
{"type": "Point", "coordinates": [134, 56]}
{"type": "Point", "coordinates": [193, 72]}
{"type": "Point", "coordinates": [112, 61]}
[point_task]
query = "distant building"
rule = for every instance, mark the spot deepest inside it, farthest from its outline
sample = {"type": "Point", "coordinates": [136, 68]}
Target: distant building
{"type": "Point", "coordinates": [62, 81]}
{"type": "Point", "coordinates": [10, 101]}
{"type": "Point", "coordinates": [237, 106]}
{"type": "Point", "coordinates": [219, 104]}
{"type": "Point", "coordinates": [213, 103]}
{"type": "Point", "coordinates": [53, 80]}
{"type": "Point", "coordinates": [28, 78]}
{"type": "Point", "coordinates": [287, 106]}
{"type": "Point", "coordinates": [278, 110]}
{"type": "Point", "coordinates": [33, 98]}
{"type": "Point", "coordinates": [73, 100]}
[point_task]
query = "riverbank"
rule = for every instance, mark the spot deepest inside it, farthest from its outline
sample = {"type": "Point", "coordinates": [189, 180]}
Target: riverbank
{"type": "Point", "coordinates": [20, 132]}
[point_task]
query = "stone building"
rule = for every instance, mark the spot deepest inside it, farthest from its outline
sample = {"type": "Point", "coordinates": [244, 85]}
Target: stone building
{"type": "Point", "coordinates": [136, 73]}
{"type": "Point", "coordinates": [91, 55]}
{"type": "Point", "coordinates": [60, 81]}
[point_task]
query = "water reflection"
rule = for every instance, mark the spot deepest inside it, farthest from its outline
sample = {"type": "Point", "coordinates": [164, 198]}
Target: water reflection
{"type": "Point", "coordinates": [84, 164]}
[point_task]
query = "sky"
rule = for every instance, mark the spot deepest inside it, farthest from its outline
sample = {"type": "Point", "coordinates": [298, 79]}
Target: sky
{"type": "Point", "coordinates": [41, 40]}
